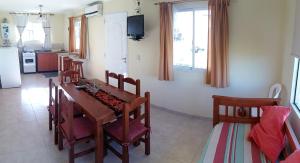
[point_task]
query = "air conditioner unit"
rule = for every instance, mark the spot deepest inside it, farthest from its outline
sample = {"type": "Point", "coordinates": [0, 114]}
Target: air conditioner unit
{"type": "Point", "coordinates": [94, 9]}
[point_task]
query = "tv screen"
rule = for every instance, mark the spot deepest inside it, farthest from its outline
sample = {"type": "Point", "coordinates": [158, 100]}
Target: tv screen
{"type": "Point", "coordinates": [135, 26]}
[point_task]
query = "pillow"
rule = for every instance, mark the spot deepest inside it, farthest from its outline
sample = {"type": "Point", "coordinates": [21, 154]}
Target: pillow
{"type": "Point", "coordinates": [268, 134]}
{"type": "Point", "coordinates": [293, 158]}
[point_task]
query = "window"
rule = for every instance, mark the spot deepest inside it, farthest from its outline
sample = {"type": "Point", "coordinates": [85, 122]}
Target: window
{"type": "Point", "coordinates": [190, 35]}
{"type": "Point", "coordinates": [296, 86]}
{"type": "Point", "coordinates": [33, 32]}
{"type": "Point", "coordinates": [77, 28]}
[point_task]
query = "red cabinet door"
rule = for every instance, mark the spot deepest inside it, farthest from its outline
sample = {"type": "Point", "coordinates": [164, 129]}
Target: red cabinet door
{"type": "Point", "coordinates": [47, 61]}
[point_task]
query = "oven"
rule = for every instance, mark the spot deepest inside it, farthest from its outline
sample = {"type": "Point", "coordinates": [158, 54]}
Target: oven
{"type": "Point", "coordinates": [29, 62]}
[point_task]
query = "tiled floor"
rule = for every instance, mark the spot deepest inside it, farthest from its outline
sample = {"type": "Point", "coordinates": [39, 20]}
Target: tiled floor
{"type": "Point", "coordinates": [24, 134]}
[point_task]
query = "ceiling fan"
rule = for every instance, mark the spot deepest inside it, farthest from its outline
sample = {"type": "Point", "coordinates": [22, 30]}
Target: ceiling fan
{"type": "Point", "coordinates": [41, 15]}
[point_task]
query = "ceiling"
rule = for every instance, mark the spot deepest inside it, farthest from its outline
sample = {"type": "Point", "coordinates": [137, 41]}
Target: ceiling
{"type": "Point", "coordinates": [55, 6]}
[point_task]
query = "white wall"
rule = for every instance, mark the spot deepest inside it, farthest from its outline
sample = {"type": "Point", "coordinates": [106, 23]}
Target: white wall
{"type": "Point", "coordinates": [255, 56]}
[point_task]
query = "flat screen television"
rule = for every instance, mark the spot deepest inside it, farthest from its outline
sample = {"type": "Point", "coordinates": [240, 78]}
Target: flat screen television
{"type": "Point", "coordinates": [135, 27]}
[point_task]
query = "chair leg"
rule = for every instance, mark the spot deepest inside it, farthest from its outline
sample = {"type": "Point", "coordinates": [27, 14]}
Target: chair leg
{"type": "Point", "coordinates": [60, 140]}
{"type": "Point", "coordinates": [71, 154]}
{"type": "Point", "coordinates": [105, 145]}
{"type": "Point", "coordinates": [147, 144]}
{"type": "Point", "coordinates": [50, 121]}
{"type": "Point", "coordinates": [125, 156]}
{"type": "Point", "coordinates": [55, 133]}
{"type": "Point", "coordinates": [137, 143]}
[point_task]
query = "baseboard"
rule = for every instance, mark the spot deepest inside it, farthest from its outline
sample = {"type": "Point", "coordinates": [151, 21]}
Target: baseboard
{"type": "Point", "coordinates": [180, 113]}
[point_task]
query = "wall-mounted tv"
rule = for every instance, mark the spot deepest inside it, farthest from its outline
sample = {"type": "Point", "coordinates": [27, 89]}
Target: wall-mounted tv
{"type": "Point", "coordinates": [135, 27]}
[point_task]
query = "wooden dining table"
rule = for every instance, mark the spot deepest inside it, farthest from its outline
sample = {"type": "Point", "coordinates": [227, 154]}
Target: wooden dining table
{"type": "Point", "coordinates": [96, 110]}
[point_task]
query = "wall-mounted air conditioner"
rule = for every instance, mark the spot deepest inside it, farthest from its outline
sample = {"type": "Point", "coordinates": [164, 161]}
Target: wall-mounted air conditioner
{"type": "Point", "coordinates": [94, 9]}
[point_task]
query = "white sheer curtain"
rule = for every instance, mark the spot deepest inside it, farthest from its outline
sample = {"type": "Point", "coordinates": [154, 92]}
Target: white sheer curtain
{"type": "Point", "coordinates": [21, 22]}
{"type": "Point", "coordinates": [47, 30]}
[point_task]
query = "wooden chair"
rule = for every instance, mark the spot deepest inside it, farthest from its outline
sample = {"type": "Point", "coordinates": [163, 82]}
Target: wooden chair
{"type": "Point", "coordinates": [113, 75]}
{"type": "Point", "coordinates": [77, 66]}
{"type": "Point", "coordinates": [52, 108]}
{"type": "Point", "coordinates": [67, 63]}
{"type": "Point", "coordinates": [126, 131]}
{"type": "Point", "coordinates": [136, 83]}
{"type": "Point", "coordinates": [70, 76]}
{"type": "Point", "coordinates": [74, 130]}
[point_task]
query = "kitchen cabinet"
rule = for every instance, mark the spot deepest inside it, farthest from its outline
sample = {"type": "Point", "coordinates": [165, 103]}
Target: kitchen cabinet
{"type": "Point", "coordinates": [47, 61]}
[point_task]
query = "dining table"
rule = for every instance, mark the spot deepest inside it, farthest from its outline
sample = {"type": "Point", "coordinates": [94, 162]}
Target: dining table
{"type": "Point", "coordinates": [96, 110]}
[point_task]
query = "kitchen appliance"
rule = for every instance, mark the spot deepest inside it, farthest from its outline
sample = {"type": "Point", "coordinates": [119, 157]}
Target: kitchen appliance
{"type": "Point", "coordinates": [10, 75]}
{"type": "Point", "coordinates": [29, 62]}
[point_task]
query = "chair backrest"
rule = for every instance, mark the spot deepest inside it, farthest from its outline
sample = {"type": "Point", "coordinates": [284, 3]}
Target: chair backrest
{"type": "Point", "coordinates": [69, 76]}
{"type": "Point", "coordinates": [113, 75]}
{"type": "Point", "coordinates": [67, 63]}
{"type": "Point", "coordinates": [275, 91]}
{"type": "Point", "coordinates": [77, 66]}
{"type": "Point", "coordinates": [66, 114]}
{"type": "Point", "coordinates": [136, 83]}
{"type": "Point", "coordinates": [128, 108]}
{"type": "Point", "coordinates": [53, 98]}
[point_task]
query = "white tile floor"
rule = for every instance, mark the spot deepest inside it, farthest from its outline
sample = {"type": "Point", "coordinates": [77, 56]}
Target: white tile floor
{"type": "Point", "coordinates": [24, 134]}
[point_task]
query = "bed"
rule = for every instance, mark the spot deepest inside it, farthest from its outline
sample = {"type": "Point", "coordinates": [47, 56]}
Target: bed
{"type": "Point", "coordinates": [232, 120]}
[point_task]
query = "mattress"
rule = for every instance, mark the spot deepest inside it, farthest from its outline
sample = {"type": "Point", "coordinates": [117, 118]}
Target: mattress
{"type": "Point", "coordinates": [228, 143]}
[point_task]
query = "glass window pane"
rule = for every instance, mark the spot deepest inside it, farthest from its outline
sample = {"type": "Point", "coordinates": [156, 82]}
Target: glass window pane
{"type": "Point", "coordinates": [297, 94]}
{"type": "Point", "coordinates": [77, 26]}
{"type": "Point", "coordinates": [183, 38]}
{"type": "Point", "coordinates": [33, 32]}
{"type": "Point", "coordinates": [201, 38]}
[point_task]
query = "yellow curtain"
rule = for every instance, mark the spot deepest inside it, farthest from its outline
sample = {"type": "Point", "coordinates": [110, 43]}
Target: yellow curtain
{"type": "Point", "coordinates": [83, 37]}
{"type": "Point", "coordinates": [166, 42]}
{"type": "Point", "coordinates": [71, 35]}
{"type": "Point", "coordinates": [218, 43]}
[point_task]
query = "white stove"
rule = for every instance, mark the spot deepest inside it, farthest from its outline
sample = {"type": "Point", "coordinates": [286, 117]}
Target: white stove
{"type": "Point", "coordinates": [29, 62]}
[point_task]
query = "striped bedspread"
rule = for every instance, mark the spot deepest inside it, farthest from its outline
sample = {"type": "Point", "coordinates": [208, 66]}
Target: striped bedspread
{"type": "Point", "coordinates": [228, 144]}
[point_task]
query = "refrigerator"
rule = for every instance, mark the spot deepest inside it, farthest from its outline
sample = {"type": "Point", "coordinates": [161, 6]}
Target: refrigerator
{"type": "Point", "coordinates": [10, 76]}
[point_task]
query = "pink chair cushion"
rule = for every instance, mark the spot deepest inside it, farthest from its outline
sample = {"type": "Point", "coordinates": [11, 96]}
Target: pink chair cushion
{"type": "Point", "coordinates": [115, 129]}
{"type": "Point", "coordinates": [52, 110]}
{"type": "Point", "coordinates": [268, 134]}
{"type": "Point", "coordinates": [82, 128]}
{"type": "Point", "coordinates": [293, 158]}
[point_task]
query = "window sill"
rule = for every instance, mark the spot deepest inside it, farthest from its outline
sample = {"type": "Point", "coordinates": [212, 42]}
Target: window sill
{"type": "Point", "coordinates": [188, 69]}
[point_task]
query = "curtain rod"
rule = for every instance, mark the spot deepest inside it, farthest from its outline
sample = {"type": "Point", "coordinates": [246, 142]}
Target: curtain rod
{"type": "Point", "coordinates": [78, 16]}
{"type": "Point", "coordinates": [24, 13]}
{"type": "Point", "coordinates": [175, 1]}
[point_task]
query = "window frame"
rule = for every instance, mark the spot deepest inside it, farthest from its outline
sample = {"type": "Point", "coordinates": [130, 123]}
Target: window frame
{"type": "Point", "coordinates": [295, 83]}
{"type": "Point", "coordinates": [33, 34]}
{"type": "Point", "coordinates": [185, 7]}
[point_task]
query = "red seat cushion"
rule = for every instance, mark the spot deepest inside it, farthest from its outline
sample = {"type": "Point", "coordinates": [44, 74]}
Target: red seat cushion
{"type": "Point", "coordinates": [52, 110]}
{"type": "Point", "coordinates": [115, 129]}
{"type": "Point", "coordinates": [82, 128]}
